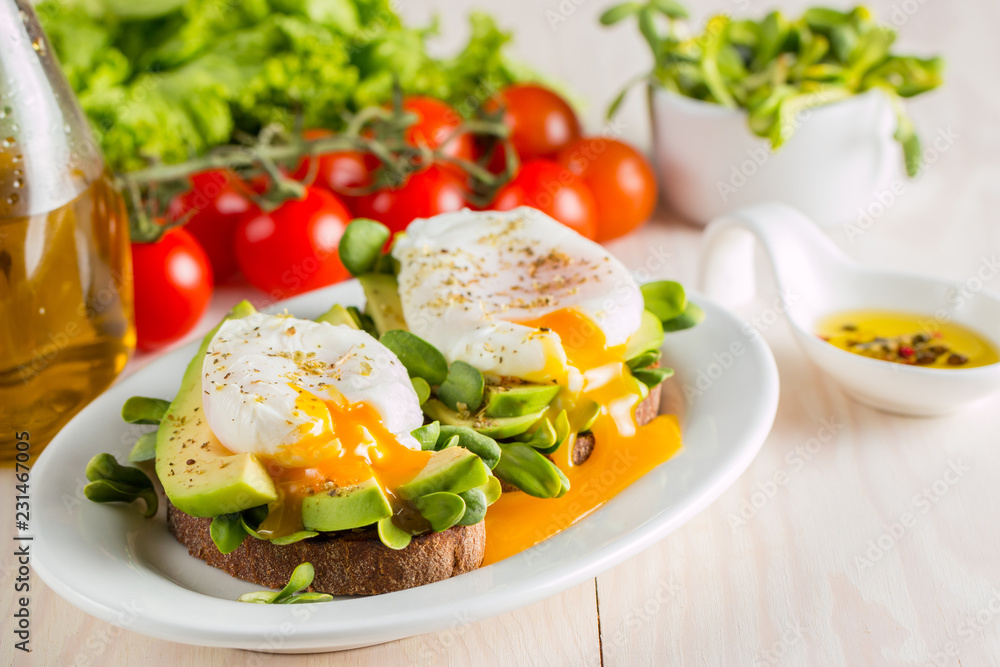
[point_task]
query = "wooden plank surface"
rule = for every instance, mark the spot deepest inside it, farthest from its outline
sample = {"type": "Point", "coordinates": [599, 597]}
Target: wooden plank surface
{"type": "Point", "coordinates": [855, 537]}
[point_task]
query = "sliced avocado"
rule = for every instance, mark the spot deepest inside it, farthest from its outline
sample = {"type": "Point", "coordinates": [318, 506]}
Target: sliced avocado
{"type": "Point", "coordinates": [496, 428]}
{"type": "Point", "coordinates": [519, 399]}
{"type": "Point", "coordinates": [292, 538]}
{"type": "Point", "coordinates": [451, 470]}
{"type": "Point", "coordinates": [648, 337]}
{"type": "Point", "coordinates": [384, 307]}
{"type": "Point", "coordinates": [346, 507]}
{"type": "Point", "coordinates": [199, 475]}
{"type": "Point", "coordinates": [338, 315]}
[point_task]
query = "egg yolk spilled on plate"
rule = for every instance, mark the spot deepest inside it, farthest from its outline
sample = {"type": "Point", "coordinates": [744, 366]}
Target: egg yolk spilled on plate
{"type": "Point", "coordinates": [345, 444]}
{"type": "Point", "coordinates": [623, 451]}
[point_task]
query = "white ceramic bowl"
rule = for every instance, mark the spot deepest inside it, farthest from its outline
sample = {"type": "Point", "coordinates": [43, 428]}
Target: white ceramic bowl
{"type": "Point", "coordinates": [817, 279]}
{"type": "Point", "coordinates": [839, 156]}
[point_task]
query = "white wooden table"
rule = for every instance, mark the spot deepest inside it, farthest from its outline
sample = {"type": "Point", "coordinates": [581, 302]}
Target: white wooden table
{"type": "Point", "coordinates": [854, 538]}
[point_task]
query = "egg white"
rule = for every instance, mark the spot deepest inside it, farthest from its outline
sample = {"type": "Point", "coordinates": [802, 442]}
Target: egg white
{"type": "Point", "coordinates": [255, 367]}
{"type": "Point", "coordinates": [467, 278]}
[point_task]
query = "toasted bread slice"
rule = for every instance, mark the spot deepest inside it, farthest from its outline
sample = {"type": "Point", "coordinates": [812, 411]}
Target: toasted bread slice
{"type": "Point", "coordinates": [346, 563]}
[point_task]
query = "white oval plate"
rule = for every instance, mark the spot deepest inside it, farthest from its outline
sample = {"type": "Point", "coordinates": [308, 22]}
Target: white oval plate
{"type": "Point", "coordinates": [121, 568]}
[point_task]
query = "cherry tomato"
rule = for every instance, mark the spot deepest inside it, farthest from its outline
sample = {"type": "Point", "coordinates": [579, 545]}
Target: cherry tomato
{"type": "Point", "coordinates": [429, 192]}
{"type": "Point", "coordinates": [173, 285]}
{"type": "Point", "coordinates": [339, 171]}
{"type": "Point", "coordinates": [293, 249]}
{"type": "Point", "coordinates": [554, 190]}
{"type": "Point", "coordinates": [540, 121]}
{"type": "Point", "coordinates": [215, 205]}
{"type": "Point", "coordinates": [436, 122]}
{"type": "Point", "coordinates": [621, 179]}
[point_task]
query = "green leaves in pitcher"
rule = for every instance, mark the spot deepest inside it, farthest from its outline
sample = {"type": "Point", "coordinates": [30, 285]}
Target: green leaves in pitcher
{"type": "Point", "coordinates": [777, 67]}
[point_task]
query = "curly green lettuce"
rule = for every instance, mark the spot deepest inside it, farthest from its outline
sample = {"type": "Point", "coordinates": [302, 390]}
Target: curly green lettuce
{"type": "Point", "coordinates": [165, 80]}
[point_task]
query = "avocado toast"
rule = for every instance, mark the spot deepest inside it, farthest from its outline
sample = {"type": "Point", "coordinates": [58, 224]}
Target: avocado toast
{"type": "Point", "coordinates": [374, 511]}
{"type": "Point", "coordinates": [389, 459]}
{"type": "Point", "coordinates": [535, 337]}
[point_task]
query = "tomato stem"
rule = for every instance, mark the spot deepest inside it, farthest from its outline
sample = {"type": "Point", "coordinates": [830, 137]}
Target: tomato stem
{"type": "Point", "coordinates": [376, 130]}
{"type": "Point", "coordinates": [281, 188]}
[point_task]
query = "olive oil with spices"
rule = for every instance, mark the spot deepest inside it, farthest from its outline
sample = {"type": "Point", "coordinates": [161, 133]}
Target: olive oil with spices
{"type": "Point", "coordinates": [65, 272]}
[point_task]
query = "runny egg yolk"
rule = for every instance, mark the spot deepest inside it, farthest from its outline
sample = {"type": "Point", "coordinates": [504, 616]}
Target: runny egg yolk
{"type": "Point", "coordinates": [316, 440]}
{"type": "Point", "coordinates": [603, 374]}
{"type": "Point", "coordinates": [623, 451]}
{"type": "Point", "coordinates": [346, 445]}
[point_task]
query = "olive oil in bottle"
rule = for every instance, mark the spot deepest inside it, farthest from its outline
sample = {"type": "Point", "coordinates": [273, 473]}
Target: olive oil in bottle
{"type": "Point", "coordinates": [65, 271]}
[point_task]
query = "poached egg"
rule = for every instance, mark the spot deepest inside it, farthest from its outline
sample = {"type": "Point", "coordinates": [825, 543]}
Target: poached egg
{"type": "Point", "coordinates": [300, 393]}
{"type": "Point", "coordinates": [511, 292]}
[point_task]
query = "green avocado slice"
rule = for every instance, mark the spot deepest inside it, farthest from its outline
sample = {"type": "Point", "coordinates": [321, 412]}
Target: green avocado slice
{"type": "Point", "coordinates": [496, 428]}
{"type": "Point", "coordinates": [346, 507]}
{"type": "Point", "coordinates": [200, 476]}
{"type": "Point", "coordinates": [338, 315]}
{"type": "Point", "coordinates": [383, 304]}
{"type": "Point", "coordinates": [451, 470]}
{"type": "Point", "coordinates": [648, 337]}
{"type": "Point", "coordinates": [519, 399]}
